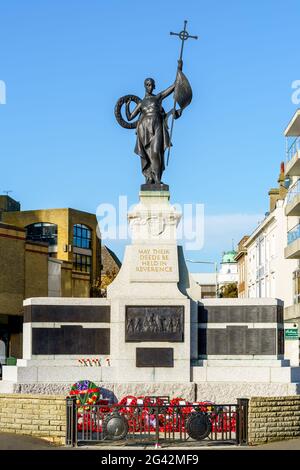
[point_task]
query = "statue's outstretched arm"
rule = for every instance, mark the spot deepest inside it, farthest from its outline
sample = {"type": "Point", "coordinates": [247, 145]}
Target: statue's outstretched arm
{"type": "Point", "coordinates": [134, 113]}
{"type": "Point", "coordinates": [164, 94]}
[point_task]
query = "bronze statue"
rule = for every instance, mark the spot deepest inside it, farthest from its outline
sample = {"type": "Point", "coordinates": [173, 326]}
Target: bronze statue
{"type": "Point", "coordinates": [153, 137]}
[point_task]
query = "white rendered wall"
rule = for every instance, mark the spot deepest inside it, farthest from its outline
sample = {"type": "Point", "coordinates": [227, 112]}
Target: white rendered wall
{"type": "Point", "coordinates": [228, 273]}
{"type": "Point", "coordinates": [269, 274]}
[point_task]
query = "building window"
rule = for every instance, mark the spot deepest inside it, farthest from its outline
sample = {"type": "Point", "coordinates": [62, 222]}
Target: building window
{"type": "Point", "coordinates": [82, 236]}
{"type": "Point", "coordinates": [42, 232]}
{"type": "Point", "coordinates": [296, 278]}
{"type": "Point", "coordinates": [82, 262]}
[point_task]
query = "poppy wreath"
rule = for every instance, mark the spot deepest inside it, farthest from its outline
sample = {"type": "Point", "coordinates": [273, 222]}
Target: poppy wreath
{"type": "Point", "coordinates": [180, 406]}
{"type": "Point", "coordinates": [86, 392]}
{"type": "Point", "coordinates": [87, 422]}
{"type": "Point", "coordinates": [223, 422]}
{"type": "Point", "coordinates": [127, 407]}
{"type": "Point", "coordinates": [132, 407]}
{"type": "Point", "coordinates": [127, 404]}
{"type": "Point", "coordinates": [148, 420]}
{"type": "Point", "coordinates": [178, 410]}
{"type": "Point", "coordinates": [150, 415]}
{"type": "Point", "coordinates": [136, 423]}
{"type": "Point", "coordinates": [141, 413]}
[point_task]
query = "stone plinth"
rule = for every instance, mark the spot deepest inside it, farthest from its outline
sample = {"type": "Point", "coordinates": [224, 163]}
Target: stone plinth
{"type": "Point", "coordinates": [154, 220]}
{"type": "Point", "coordinates": [148, 282]}
{"type": "Point", "coordinates": [150, 268]}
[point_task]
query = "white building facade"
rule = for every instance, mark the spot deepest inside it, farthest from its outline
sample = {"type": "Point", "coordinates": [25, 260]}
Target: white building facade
{"type": "Point", "coordinates": [292, 210]}
{"type": "Point", "coordinates": [228, 273]}
{"type": "Point", "coordinates": [269, 273]}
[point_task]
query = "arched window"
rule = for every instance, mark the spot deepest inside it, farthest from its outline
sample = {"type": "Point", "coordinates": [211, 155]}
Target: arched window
{"type": "Point", "coordinates": [42, 232]}
{"type": "Point", "coordinates": [82, 236]}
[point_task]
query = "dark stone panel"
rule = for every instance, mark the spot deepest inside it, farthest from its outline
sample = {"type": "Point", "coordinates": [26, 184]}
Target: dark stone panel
{"type": "Point", "coordinates": [70, 340]}
{"type": "Point", "coordinates": [154, 357]}
{"type": "Point", "coordinates": [253, 342]}
{"type": "Point", "coordinates": [262, 341]}
{"type": "Point", "coordinates": [235, 315]}
{"type": "Point", "coordinates": [267, 314]}
{"type": "Point", "coordinates": [268, 341]}
{"type": "Point", "coordinates": [280, 340]}
{"type": "Point", "coordinates": [40, 341]}
{"type": "Point", "coordinates": [280, 317]}
{"type": "Point", "coordinates": [239, 340]}
{"type": "Point", "coordinates": [216, 341]}
{"type": "Point", "coordinates": [236, 339]}
{"type": "Point", "coordinates": [67, 313]}
{"type": "Point", "coordinates": [202, 342]}
{"type": "Point", "coordinates": [202, 314]}
{"type": "Point", "coordinates": [154, 323]}
{"type": "Point", "coordinates": [240, 314]}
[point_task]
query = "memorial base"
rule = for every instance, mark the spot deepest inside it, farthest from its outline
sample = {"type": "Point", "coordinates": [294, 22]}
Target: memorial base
{"type": "Point", "coordinates": [153, 334]}
{"type": "Point", "coordinates": [216, 392]}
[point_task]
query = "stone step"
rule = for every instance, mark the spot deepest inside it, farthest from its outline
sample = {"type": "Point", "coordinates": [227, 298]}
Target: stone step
{"type": "Point", "coordinates": [246, 374]}
{"type": "Point", "coordinates": [244, 362]}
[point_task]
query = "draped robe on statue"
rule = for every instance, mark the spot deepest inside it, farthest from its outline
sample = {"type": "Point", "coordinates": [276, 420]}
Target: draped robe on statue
{"type": "Point", "coordinates": [152, 135]}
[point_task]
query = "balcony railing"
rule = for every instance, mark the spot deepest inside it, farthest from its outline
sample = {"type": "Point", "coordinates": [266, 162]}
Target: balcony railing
{"type": "Point", "coordinates": [293, 234]}
{"type": "Point", "coordinates": [293, 149]}
{"type": "Point", "coordinates": [293, 192]}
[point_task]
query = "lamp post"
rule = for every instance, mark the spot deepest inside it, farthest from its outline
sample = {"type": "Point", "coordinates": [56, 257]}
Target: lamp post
{"type": "Point", "coordinates": [214, 263]}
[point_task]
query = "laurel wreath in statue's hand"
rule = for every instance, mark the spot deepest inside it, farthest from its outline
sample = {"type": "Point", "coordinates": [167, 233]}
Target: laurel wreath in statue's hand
{"type": "Point", "coordinates": [121, 101]}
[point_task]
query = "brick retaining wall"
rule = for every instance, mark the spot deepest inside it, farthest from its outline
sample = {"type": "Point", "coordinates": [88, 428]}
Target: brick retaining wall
{"type": "Point", "coordinates": [36, 415]}
{"type": "Point", "coordinates": [273, 419]}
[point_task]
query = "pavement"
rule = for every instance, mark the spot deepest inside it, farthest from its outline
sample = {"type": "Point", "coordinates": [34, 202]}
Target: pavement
{"type": "Point", "coordinates": [10, 441]}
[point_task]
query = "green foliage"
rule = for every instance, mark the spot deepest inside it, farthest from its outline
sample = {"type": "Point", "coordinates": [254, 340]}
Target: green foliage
{"type": "Point", "coordinates": [229, 291]}
{"type": "Point", "coordinates": [99, 286]}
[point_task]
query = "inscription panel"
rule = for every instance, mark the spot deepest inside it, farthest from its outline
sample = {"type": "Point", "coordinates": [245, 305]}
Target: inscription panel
{"type": "Point", "coordinates": [216, 342]}
{"type": "Point", "coordinates": [154, 357]}
{"type": "Point", "coordinates": [239, 314]}
{"type": "Point", "coordinates": [67, 313]}
{"type": "Point", "coordinates": [70, 340]}
{"type": "Point", "coordinates": [154, 264]}
{"type": "Point", "coordinates": [238, 340]}
{"type": "Point", "coordinates": [155, 324]}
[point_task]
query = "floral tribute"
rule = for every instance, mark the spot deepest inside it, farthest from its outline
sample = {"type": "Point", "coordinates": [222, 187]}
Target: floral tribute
{"type": "Point", "coordinates": [140, 411]}
{"type": "Point", "coordinates": [87, 393]}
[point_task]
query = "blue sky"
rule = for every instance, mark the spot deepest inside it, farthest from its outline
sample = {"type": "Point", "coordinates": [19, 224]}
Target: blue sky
{"type": "Point", "coordinates": [65, 63]}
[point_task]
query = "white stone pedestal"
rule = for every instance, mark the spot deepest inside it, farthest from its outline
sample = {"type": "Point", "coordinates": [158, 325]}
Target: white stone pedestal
{"type": "Point", "coordinates": [150, 268]}
{"type": "Point", "coordinates": [149, 277]}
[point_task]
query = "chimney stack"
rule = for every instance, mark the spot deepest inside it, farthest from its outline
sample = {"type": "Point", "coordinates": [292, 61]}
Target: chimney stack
{"type": "Point", "coordinates": [278, 193]}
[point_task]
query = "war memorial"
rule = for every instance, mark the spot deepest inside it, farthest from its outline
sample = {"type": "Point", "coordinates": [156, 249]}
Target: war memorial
{"type": "Point", "coordinates": [154, 334]}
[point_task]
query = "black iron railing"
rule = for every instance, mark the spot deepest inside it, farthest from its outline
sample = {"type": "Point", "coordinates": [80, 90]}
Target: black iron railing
{"type": "Point", "coordinates": [154, 423]}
